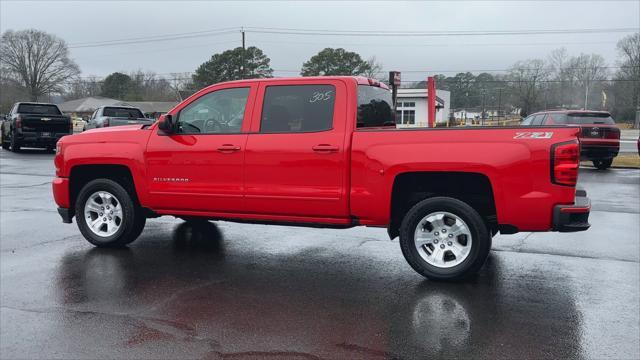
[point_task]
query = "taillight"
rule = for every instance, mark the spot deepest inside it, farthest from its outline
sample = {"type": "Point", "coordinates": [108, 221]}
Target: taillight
{"type": "Point", "coordinates": [18, 122]}
{"type": "Point", "coordinates": [565, 160]}
{"type": "Point", "coordinates": [105, 122]}
{"type": "Point", "coordinates": [612, 133]}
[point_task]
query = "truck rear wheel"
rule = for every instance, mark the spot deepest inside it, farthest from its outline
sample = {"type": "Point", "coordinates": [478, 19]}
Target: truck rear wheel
{"type": "Point", "coordinates": [602, 164]}
{"type": "Point", "coordinates": [444, 239]}
{"type": "Point", "coordinates": [107, 215]}
{"type": "Point", "coordinates": [15, 145]}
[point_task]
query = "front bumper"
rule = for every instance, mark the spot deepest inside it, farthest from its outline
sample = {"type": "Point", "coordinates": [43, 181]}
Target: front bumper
{"type": "Point", "coordinates": [572, 218]}
{"type": "Point", "coordinates": [60, 187]}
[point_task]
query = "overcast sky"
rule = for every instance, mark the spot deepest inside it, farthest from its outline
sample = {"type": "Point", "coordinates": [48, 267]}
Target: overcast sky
{"type": "Point", "coordinates": [92, 21]}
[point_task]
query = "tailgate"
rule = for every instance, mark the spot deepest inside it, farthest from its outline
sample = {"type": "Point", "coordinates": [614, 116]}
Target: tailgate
{"type": "Point", "coordinates": [52, 124]}
{"type": "Point", "coordinates": [599, 132]}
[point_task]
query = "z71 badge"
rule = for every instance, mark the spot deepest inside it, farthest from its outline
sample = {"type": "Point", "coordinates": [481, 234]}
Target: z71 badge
{"type": "Point", "coordinates": [533, 135]}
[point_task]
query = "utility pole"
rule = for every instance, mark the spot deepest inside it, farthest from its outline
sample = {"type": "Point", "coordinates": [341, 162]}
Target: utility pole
{"type": "Point", "coordinates": [586, 94]}
{"type": "Point", "coordinates": [483, 109]}
{"type": "Point", "coordinates": [243, 66]}
{"type": "Point", "coordinates": [499, 102]}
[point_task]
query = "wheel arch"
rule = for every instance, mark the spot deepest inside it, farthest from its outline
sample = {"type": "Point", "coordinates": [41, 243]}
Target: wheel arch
{"type": "Point", "coordinates": [80, 175]}
{"type": "Point", "coordinates": [473, 188]}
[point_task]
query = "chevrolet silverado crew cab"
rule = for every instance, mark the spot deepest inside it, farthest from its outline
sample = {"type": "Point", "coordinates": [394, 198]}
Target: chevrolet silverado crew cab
{"type": "Point", "coordinates": [34, 125]}
{"type": "Point", "coordinates": [599, 135]}
{"type": "Point", "coordinates": [323, 152]}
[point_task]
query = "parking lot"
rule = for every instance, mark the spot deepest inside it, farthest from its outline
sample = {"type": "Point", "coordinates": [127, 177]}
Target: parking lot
{"type": "Point", "coordinates": [250, 291]}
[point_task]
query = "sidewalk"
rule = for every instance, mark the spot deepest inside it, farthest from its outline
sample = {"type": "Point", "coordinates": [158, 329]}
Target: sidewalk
{"type": "Point", "coordinates": [630, 134]}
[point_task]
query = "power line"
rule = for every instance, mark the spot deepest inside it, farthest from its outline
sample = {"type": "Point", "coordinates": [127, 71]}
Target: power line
{"type": "Point", "coordinates": [325, 32]}
{"type": "Point", "coordinates": [150, 39]}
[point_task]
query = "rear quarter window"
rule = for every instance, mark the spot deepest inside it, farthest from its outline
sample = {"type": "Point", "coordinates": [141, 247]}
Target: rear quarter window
{"type": "Point", "coordinates": [586, 119]}
{"type": "Point", "coordinates": [375, 107]}
{"type": "Point", "coordinates": [38, 109]}
{"type": "Point", "coordinates": [122, 112]}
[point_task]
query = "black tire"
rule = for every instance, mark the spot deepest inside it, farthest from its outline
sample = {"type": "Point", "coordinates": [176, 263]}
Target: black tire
{"type": "Point", "coordinates": [133, 219]}
{"type": "Point", "coordinates": [5, 143]}
{"type": "Point", "coordinates": [15, 145]}
{"type": "Point", "coordinates": [480, 245]}
{"type": "Point", "coordinates": [602, 164]}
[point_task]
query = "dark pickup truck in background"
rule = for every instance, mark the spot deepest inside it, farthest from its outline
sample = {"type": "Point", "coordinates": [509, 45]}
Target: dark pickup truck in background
{"type": "Point", "coordinates": [37, 125]}
{"type": "Point", "coordinates": [108, 116]}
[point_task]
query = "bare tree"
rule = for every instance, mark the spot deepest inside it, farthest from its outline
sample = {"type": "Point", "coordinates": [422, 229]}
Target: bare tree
{"type": "Point", "coordinates": [40, 61]}
{"type": "Point", "coordinates": [586, 70]}
{"type": "Point", "coordinates": [558, 62]}
{"type": "Point", "coordinates": [181, 84]}
{"type": "Point", "coordinates": [80, 88]}
{"type": "Point", "coordinates": [375, 69]}
{"type": "Point", "coordinates": [526, 79]}
{"type": "Point", "coordinates": [628, 75]}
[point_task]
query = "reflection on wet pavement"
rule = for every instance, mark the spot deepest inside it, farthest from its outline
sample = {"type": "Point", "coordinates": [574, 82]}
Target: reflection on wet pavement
{"type": "Point", "coordinates": [191, 289]}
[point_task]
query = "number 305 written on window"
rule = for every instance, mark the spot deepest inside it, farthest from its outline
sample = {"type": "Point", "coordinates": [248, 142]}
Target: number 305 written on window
{"type": "Point", "coordinates": [320, 96]}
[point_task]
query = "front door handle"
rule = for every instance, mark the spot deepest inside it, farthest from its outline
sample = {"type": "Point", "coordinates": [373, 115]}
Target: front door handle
{"type": "Point", "coordinates": [228, 148]}
{"type": "Point", "coordinates": [325, 148]}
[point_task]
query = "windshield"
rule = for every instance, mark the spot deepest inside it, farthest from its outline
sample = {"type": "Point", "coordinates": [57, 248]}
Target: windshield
{"type": "Point", "coordinates": [40, 109]}
{"type": "Point", "coordinates": [122, 112]}
{"type": "Point", "coordinates": [375, 107]}
{"type": "Point", "coordinates": [582, 118]}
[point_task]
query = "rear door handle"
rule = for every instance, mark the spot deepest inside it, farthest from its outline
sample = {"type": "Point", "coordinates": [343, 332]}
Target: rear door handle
{"type": "Point", "coordinates": [325, 148]}
{"type": "Point", "coordinates": [228, 148]}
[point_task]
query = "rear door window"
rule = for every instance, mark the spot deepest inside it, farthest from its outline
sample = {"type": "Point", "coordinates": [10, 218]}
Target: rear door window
{"type": "Point", "coordinates": [297, 108]}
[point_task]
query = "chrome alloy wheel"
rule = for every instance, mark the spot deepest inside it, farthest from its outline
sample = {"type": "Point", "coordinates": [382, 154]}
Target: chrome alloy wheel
{"type": "Point", "coordinates": [103, 213]}
{"type": "Point", "coordinates": [443, 239]}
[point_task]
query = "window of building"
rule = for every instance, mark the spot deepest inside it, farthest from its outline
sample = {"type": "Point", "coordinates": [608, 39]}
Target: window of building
{"type": "Point", "coordinates": [408, 117]}
{"type": "Point", "coordinates": [297, 108]}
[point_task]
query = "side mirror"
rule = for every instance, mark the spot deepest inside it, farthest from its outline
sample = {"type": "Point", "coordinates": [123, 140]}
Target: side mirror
{"type": "Point", "coordinates": [167, 125]}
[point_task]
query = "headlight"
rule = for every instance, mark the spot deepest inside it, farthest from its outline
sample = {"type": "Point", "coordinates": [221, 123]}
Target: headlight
{"type": "Point", "coordinates": [58, 147]}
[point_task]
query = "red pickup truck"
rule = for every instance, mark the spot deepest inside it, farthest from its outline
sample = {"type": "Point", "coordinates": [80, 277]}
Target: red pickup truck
{"type": "Point", "coordinates": [323, 152]}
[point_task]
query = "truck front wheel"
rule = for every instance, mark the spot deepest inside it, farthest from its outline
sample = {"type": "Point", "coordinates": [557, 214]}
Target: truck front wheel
{"type": "Point", "coordinates": [107, 215]}
{"type": "Point", "coordinates": [444, 239]}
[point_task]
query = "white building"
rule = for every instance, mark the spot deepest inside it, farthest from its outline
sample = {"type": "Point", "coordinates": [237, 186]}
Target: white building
{"type": "Point", "coordinates": [411, 107]}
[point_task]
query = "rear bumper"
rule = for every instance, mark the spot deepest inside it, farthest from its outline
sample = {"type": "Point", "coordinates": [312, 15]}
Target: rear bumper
{"type": "Point", "coordinates": [35, 139]}
{"type": "Point", "coordinates": [599, 151]}
{"type": "Point", "coordinates": [572, 218]}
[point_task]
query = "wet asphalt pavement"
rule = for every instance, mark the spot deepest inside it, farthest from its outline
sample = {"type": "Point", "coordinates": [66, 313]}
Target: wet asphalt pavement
{"type": "Point", "coordinates": [233, 291]}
